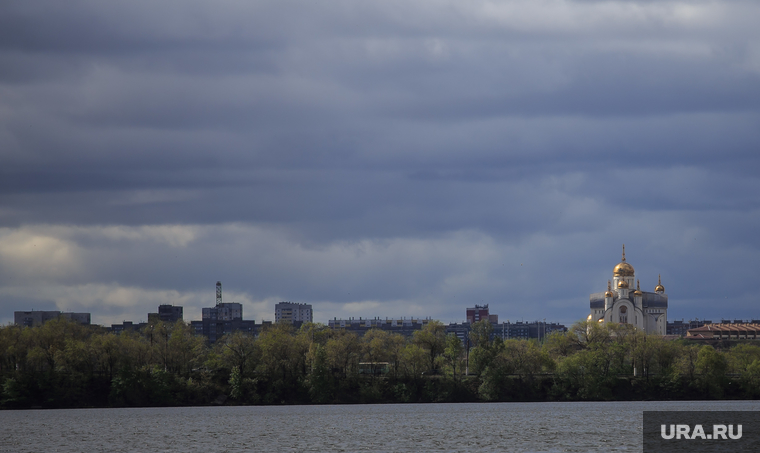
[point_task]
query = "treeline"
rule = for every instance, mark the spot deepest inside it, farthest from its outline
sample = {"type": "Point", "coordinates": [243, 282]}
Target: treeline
{"type": "Point", "coordinates": [64, 364]}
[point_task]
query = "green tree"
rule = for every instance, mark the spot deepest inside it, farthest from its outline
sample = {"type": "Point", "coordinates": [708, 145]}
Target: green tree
{"type": "Point", "coordinates": [394, 348]}
{"type": "Point", "coordinates": [283, 363]}
{"type": "Point", "coordinates": [686, 363]}
{"type": "Point", "coordinates": [321, 388]}
{"type": "Point", "coordinates": [560, 344]}
{"type": "Point", "coordinates": [712, 366]}
{"type": "Point", "coordinates": [315, 332]}
{"type": "Point", "coordinates": [108, 353]}
{"type": "Point", "coordinates": [344, 351]}
{"type": "Point", "coordinates": [280, 351]}
{"type": "Point", "coordinates": [12, 349]}
{"type": "Point", "coordinates": [432, 338]}
{"type": "Point", "coordinates": [526, 359]}
{"type": "Point", "coordinates": [414, 361]}
{"type": "Point", "coordinates": [587, 334]}
{"type": "Point", "coordinates": [480, 334]}
{"type": "Point", "coordinates": [186, 350]}
{"type": "Point", "coordinates": [744, 360]}
{"type": "Point", "coordinates": [750, 379]}
{"type": "Point", "coordinates": [238, 350]}
{"type": "Point", "coordinates": [376, 349]}
{"type": "Point", "coordinates": [453, 354]}
{"type": "Point", "coordinates": [741, 356]}
{"type": "Point", "coordinates": [236, 383]}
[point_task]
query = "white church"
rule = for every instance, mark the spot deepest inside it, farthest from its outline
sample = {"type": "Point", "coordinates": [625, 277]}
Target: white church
{"type": "Point", "coordinates": [624, 305]}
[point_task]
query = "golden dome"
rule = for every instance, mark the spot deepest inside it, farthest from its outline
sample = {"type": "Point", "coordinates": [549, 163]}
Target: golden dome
{"type": "Point", "coordinates": [622, 284]}
{"type": "Point", "coordinates": [601, 320]}
{"type": "Point", "coordinates": [609, 290]}
{"type": "Point", "coordinates": [638, 289]}
{"type": "Point", "coordinates": [589, 317]}
{"type": "Point", "coordinates": [623, 269]}
{"type": "Point", "coordinates": [659, 288]}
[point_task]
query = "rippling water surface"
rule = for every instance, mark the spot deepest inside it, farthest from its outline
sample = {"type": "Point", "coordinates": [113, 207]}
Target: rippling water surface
{"type": "Point", "coordinates": [477, 427]}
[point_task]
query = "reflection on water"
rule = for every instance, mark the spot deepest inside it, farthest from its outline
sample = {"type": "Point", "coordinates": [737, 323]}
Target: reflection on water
{"type": "Point", "coordinates": [476, 427]}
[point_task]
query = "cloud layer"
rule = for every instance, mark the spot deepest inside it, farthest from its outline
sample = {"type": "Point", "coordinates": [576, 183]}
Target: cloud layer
{"type": "Point", "coordinates": [377, 158]}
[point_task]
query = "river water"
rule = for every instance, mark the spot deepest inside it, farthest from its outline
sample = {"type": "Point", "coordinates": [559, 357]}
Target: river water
{"type": "Point", "coordinates": [471, 427]}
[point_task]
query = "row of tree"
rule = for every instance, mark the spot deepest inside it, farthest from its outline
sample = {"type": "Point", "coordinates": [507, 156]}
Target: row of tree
{"type": "Point", "coordinates": [65, 364]}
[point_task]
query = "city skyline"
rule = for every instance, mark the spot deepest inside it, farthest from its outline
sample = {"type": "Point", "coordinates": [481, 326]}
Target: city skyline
{"type": "Point", "coordinates": [378, 158]}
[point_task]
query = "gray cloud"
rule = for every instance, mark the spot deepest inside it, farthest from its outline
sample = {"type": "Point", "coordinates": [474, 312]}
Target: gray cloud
{"type": "Point", "coordinates": [377, 158]}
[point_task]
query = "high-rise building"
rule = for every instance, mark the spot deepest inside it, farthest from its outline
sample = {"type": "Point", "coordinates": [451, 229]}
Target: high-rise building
{"type": "Point", "coordinates": [222, 311]}
{"type": "Point", "coordinates": [222, 319]}
{"type": "Point", "coordinates": [479, 313]}
{"type": "Point", "coordinates": [166, 313]}
{"type": "Point", "coordinates": [226, 311]}
{"type": "Point", "coordinates": [290, 312]}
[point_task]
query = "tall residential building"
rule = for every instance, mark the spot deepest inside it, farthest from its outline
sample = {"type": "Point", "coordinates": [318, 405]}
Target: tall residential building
{"type": "Point", "coordinates": [623, 304]}
{"type": "Point", "coordinates": [222, 311]}
{"type": "Point", "coordinates": [480, 312]}
{"type": "Point", "coordinates": [224, 318]}
{"type": "Point", "coordinates": [166, 313]}
{"type": "Point", "coordinates": [226, 311]}
{"type": "Point", "coordinates": [221, 319]}
{"type": "Point", "coordinates": [291, 312]}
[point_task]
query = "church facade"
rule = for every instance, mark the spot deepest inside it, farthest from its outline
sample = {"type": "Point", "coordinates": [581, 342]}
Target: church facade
{"type": "Point", "coordinates": [622, 304]}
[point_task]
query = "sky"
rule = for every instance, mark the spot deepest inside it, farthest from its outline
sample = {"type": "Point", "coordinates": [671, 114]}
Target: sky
{"type": "Point", "coordinates": [378, 158]}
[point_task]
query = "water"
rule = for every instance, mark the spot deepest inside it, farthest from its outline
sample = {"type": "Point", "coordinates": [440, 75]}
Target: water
{"type": "Point", "coordinates": [475, 427]}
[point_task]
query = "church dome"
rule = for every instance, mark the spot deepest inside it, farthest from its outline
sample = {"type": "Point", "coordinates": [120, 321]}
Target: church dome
{"type": "Point", "coordinates": [659, 288]}
{"type": "Point", "coordinates": [622, 284]}
{"type": "Point", "coordinates": [623, 269]}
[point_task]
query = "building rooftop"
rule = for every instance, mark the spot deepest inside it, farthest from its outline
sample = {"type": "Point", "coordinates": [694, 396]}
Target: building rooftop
{"type": "Point", "coordinates": [717, 330]}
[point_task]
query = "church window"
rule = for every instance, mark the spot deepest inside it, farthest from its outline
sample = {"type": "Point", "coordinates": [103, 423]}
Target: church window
{"type": "Point", "coordinates": [623, 314]}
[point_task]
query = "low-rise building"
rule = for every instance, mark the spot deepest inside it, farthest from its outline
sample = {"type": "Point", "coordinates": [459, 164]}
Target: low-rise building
{"type": "Point", "coordinates": [403, 326]}
{"type": "Point", "coordinates": [679, 328]}
{"type": "Point", "coordinates": [519, 330]}
{"type": "Point", "coordinates": [737, 330]}
{"type": "Point", "coordinates": [127, 326]}
{"type": "Point", "coordinates": [37, 318]}
{"type": "Point", "coordinates": [214, 329]}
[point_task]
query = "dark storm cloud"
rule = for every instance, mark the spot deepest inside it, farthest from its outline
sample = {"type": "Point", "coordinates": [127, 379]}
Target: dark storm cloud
{"type": "Point", "coordinates": [382, 156]}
